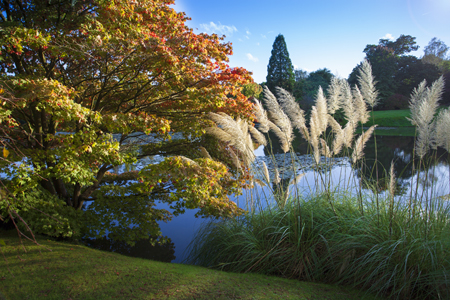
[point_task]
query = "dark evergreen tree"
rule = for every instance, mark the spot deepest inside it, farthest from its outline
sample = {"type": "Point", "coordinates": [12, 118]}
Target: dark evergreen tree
{"type": "Point", "coordinates": [280, 71]}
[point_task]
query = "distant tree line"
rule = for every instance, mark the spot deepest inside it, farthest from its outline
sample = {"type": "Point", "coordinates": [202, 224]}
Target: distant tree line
{"type": "Point", "coordinates": [395, 70]}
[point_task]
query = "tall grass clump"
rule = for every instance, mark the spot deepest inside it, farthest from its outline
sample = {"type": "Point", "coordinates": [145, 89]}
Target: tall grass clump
{"type": "Point", "coordinates": [339, 232]}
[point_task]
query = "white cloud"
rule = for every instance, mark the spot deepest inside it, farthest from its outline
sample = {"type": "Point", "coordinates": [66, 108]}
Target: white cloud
{"type": "Point", "coordinates": [263, 36]}
{"type": "Point", "coordinates": [240, 40]}
{"type": "Point", "coordinates": [247, 37]}
{"type": "Point", "coordinates": [257, 44]}
{"type": "Point", "coordinates": [252, 58]}
{"type": "Point", "coordinates": [217, 28]}
{"type": "Point", "coordinates": [388, 36]}
{"type": "Point", "coordinates": [295, 66]}
{"type": "Point", "coordinates": [248, 32]}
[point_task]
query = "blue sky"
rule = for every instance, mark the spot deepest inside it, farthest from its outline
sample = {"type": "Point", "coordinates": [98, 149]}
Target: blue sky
{"type": "Point", "coordinates": [319, 33]}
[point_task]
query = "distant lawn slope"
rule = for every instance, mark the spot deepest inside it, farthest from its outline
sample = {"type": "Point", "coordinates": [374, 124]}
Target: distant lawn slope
{"type": "Point", "coordinates": [391, 118]}
{"type": "Point", "coordinates": [71, 271]}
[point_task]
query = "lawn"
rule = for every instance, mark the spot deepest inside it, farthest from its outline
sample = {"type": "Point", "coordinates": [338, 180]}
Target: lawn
{"type": "Point", "coordinates": [391, 118]}
{"type": "Point", "coordinates": [72, 271]}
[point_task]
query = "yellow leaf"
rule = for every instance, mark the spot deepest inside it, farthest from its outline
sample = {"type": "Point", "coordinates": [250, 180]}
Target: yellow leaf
{"type": "Point", "coordinates": [5, 152]}
{"type": "Point", "coordinates": [1, 91]}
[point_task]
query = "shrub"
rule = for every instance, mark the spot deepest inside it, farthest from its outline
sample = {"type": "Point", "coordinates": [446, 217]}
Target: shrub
{"type": "Point", "coordinates": [396, 101]}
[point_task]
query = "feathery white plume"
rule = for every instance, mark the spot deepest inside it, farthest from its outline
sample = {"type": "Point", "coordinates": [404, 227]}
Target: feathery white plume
{"type": "Point", "coordinates": [188, 160]}
{"type": "Point", "coordinates": [417, 95]}
{"type": "Point", "coordinates": [348, 132]}
{"type": "Point", "coordinates": [266, 172]}
{"type": "Point", "coordinates": [234, 132]}
{"type": "Point", "coordinates": [235, 159]}
{"type": "Point", "coordinates": [284, 139]}
{"type": "Point", "coordinates": [314, 128]}
{"type": "Point", "coordinates": [392, 180]}
{"type": "Point", "coordinates": [424, 102]}
{"type": "Point", "coordinates": [257, 135]}
{"type": "Point", "coordinates": [276, 114]}
{"type": "Point", "coordinates": [296, 179]}
{"type": "Point", "coordinates": [325, 150]}
{"type": "Point", "coordinates": [259, 182]}
{"type": "Point", "coordinates": [261, 116]}
{"type": "Point", "coordinates": [277, 178]}
{"type": "Point", "coordinates": [334, 95]}
{"type": "Point", "coordinates": [360, 106]}
{"type": "Point", "coordinates": [348, 103]}
{"type": "Point", "coordinates": [292, 110]}
{"type": "Point", "coordinates": [442, 133]}
{"type": "Point", "coordinates": [361, 143]}
{"type": "Point", "coordinates": [204, 152]}
{"type": "Point", "coordinates": [367, 84]}
{"type": "Point", "coordinates": [322, 111]}
{"type": "Point", "coordinates": [338, 135]}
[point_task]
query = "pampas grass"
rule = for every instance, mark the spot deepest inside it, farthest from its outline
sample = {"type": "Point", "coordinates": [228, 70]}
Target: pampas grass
{"type": "Point", "coordinates": [371, 241]}
{"type": "Point", "coordinates": [360, 106]}
{"type": "Point", "coordinates": [423, 111]}
{"type": "Point", "coordinates": [261, 116]}
{"type": "Point", "coordinates": [334, 95]}
{"type": "Point", "coordinates": [361, 143]}
{"type": "Point", "coordinates": [235, 132]}
{"type": "Point", "coordinates": [367, 83]}
{"type": "Point", "coordinates": [442, 131]}
{"type": "Point", "coordinates": [277, 115]}
{"type": "Point", "coordinates": [293, 111]}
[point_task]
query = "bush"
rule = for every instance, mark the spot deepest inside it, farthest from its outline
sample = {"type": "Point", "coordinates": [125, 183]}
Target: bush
{"type": "Point", "coordinates": [396, 101]}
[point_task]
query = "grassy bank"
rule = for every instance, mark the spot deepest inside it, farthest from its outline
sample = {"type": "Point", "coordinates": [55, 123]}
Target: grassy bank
{"type": "Point", "coordinates": [71, 271]}
{"type": "Point", "coordinates": [382, 249]}
{"type": "Point", "coordinates": [391, 118]}
{"type": "Point", "coordinates": [392, 123]}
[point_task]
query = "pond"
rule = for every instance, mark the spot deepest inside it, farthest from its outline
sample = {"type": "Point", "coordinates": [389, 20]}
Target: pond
{"type": "Point", "coordinates": [396, 149]}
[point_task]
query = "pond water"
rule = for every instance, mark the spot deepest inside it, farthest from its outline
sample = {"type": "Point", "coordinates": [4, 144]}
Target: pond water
{"type": "Point", "coordinates": [397, 149]}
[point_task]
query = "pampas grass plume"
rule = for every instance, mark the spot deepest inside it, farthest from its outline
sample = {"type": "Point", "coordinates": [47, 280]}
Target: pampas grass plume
{"type": "Point", "coordinates": [367, 84]}
{"type": "Point", "coordinates": [361, 143]}
{"type": "Point", "coordinates": [334, 95]}
{"type": "Point", "coordinates": [266, 172]}
{"type": "Point", "coordinates": [296, 179]}
{"type": "Point", "coordinates": [261, 116]}
{"type": "Point", "coordinates": [360, 106]}
{"type": "Point", "coordinates": [204, 152]}
{"type": "Point", "coordinates": [292, 110]}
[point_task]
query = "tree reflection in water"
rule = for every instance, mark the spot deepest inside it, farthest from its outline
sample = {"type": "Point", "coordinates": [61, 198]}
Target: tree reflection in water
{"type": "Point", "coordinates": [398, 149]}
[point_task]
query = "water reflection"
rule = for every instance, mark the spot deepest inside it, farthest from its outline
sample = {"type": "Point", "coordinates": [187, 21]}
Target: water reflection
{"type": "Point", "coordinates": [142, 248]}
{"type": "Point", "coordinates": [399, 150]}
{"type": "Point", "coordinates": [338, 174]}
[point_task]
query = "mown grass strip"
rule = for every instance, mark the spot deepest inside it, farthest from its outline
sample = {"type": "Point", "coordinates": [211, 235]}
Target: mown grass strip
{"type": "Point", "coordinates": [391, 118]}
{"type": "Point", "coordinates": [72, 271]}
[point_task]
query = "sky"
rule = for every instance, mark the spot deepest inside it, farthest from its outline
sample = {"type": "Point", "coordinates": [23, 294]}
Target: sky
{"type": "Point", "coordinates": [319, 34]}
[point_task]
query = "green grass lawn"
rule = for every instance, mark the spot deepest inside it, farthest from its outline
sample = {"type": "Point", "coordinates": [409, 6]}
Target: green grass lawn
{"type": "Point", "coordinates": [391, 118]}
{"type": "Point", "coordinates": [71, 271]}
{"type": "Point", "coordinates": [393, 131]}
{"type": "Point", "coordinates": [391, 122]}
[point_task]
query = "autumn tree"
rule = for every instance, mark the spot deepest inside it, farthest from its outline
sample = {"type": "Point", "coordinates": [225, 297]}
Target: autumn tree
{"type": "Point", "coordinates": [280, 71]}
{"type": "Point", "coordinates": [89, 85]}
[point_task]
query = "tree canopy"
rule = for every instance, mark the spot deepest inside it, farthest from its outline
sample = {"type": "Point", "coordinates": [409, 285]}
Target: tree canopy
{"type": "Point", "coordinates": [89, 85]}
{"type": "Point", "coordinates": [396, 72]}
{"type": "Point", "coordinates": [280, 72]}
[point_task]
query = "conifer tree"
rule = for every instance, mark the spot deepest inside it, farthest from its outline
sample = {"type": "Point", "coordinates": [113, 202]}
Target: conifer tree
{"type": "Point", "coordinates": [280, 71]}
